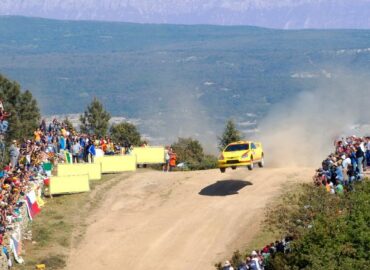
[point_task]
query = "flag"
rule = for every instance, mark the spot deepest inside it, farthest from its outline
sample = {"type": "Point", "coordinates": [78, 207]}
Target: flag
{"type": "Point", "coordinates": [32, 205]}
{"type": "Point", "coordinates": [16, 245]}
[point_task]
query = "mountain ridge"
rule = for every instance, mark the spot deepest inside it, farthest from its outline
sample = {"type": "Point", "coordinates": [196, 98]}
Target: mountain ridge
{"type": "Point", "coordinates": [286, 14]}
{"type": "Point", "coordinates": [164, 75]}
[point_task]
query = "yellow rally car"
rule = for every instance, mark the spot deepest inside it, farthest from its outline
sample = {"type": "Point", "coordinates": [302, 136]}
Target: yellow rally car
{"type": "Point", "coordinates": [242, 153]}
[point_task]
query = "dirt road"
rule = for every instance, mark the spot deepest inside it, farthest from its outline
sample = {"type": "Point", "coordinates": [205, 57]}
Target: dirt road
{"type": "Point", "coordinates": [189, 220]}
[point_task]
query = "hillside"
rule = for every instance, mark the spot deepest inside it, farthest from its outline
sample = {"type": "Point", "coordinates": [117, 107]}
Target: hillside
{"type": "Point", "coordinates": [287, 14]}
{"type": "Point", "coordinates": [169, 74]}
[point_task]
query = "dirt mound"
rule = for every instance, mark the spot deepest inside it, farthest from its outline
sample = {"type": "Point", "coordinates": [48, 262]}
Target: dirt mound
{"type": "Point", "coordinates": [189, 220]}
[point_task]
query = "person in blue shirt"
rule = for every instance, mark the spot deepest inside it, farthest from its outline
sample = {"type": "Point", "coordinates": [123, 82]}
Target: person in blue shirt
{"type": "Point", "coordinates": [339, 173]}
{"type": "Point", "coordinates": [91, 151]}
{"type": "Point", "coordinates": [62, 143]}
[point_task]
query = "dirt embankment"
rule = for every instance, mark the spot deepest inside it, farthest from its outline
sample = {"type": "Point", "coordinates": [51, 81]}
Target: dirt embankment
{"type": "Point", "coordinates": [190, 220]}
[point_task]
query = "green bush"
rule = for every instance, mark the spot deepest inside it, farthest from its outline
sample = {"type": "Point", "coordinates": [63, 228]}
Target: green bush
{"type": "Point", "coordinates": [332, 232]}
{"type": "Point", "coordinates": [190, 151]}
{"type": "Point", "coordinates": [208, 162]}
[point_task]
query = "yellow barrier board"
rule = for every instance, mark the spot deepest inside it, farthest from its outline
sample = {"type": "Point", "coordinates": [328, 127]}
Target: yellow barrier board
{"type": "Point", "coordinates": [69, 184]}
{"type": "Point", "coordinates": [93, 170]}
{"type": "Point", "coordinates": [115, 164]}
{"type": "Point", "coordinates": [149, 155]}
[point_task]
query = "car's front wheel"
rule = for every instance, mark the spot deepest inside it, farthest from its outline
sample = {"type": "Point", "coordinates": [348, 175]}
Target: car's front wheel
{"type": "Point", "coordinates": [222, 170]}
{"type": "Point", "coordinates": [233, 167]}
{"type": "Point", "coordinates": [251, 166]}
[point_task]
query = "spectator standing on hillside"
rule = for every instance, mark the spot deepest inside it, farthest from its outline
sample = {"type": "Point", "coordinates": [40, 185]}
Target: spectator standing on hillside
{"type": "Point", "coordinates": [4, 124]}
{"type": "Point", "coordinates": [173, 159]}
{"type": "Point", "coordinates": [68, 144]}
{"type": "Point", "coordinates": [76, 151]}
{"type": "Point", "coordinates": [38, 133]}
{"type": "Point", "coordinates": [255, 263]}
{"type": "Point", "coordinates": [166, 166]}
{"type": "Point", "coordinates": [345, 164]}
{"type": "Point", "coordinates": [360, 158]}
{"type": "Point", "coordinates": [62, 144]}
{"type": "Point", "coordinates": [227, 266]}
{"type": "Point", "coordinates": [367, 146]}
{"type": "Point", "coordinates": [110, 148]}
{"type": "Point", "coordinates": [363, 148]}
{"type": "Point", "coordinates": [86, 150]}
{"type": "Point", "coordinates": [14, 154]}
{"type": "Point", "coordinates": [91, 151]}
{"type": "Point", "coordinates": [339, 171]}
{"type": "Point", "coordinates": [43, 126]}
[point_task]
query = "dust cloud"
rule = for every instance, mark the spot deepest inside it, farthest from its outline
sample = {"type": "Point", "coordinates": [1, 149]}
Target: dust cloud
{"type": "Point", "coordinates": [187, 117]}
{"type": "Point", "coordinates": [300, 131]}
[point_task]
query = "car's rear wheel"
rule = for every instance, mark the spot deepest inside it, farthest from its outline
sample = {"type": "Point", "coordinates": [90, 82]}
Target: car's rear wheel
{"type": "Point", "coordinates": [222, 170]}
{"type": "Point", "coordinates": [233, 167]}
{"type": "Point", "coordinates": [261, 164]}
{"type": "Point", "coordinates": [251, 166]}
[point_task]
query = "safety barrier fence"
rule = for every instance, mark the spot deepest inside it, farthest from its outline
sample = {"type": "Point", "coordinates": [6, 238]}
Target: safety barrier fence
{"type": "Point", "coordinates": [70, 178]}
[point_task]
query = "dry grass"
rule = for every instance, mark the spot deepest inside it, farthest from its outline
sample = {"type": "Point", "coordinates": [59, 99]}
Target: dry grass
{"type": "Point", "coordinates": [262, 239]}
{"type": "Point", "coordinates": [61, 224]}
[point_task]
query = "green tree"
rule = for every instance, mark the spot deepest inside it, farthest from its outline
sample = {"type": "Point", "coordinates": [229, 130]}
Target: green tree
{"type": "Point", "coordinates": [188, 150]}
{"type": "Point", "coordinates": [191, 152]}
{"type": "Point", "coordinates": [230, 134]}
{"type": "Point", "coordinates": [95, 120]}
{"type": "Point", "coordinates": [125, 132]}
{"type": "Point", "coordinates": [68, 124]}
{"type": "Point", "coordinates": [331, 232]}
{"type": "Point", "coordinates": [25, 114]}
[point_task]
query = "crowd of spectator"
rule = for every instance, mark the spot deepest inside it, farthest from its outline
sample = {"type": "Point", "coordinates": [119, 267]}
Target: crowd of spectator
{"type": "Point", "coordinates": [56, 139]}
{"type": "Point", "coordinates": [259, 260]}
{"type": "Point", "coordinates": [23, 174]}
{"type": "Point", "coordinates": [337, 174]}
{"type": "Point", "coordinates": [26, 172]}
{"type": "Point", "coordinates": [345, 166]}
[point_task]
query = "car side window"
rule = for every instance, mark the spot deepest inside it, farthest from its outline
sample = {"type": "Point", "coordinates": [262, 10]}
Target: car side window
{"type": "Point", "coordinates": [253, 146]}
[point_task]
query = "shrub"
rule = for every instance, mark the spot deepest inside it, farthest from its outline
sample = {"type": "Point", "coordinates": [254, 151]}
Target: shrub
{"type": "Point", "coordinates": [191, 152]}
{"type": "Point", "coordinates": [332, 232]}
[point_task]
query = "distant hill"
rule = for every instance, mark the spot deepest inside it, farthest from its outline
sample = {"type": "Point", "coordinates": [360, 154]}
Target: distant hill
{"type": "Point", "coordinates": [286, 14]}
{"type": "Point", "coordinates": [175, 77]}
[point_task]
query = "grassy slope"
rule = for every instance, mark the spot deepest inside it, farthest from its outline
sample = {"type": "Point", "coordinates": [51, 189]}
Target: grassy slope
{"type": "Point", "coordinates": [61, 225]}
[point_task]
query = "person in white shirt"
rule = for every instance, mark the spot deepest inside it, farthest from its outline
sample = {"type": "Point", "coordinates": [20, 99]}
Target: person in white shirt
{"type": "Point", "coordinates": [346, 162]}
{"type": "Point", "coordinates": [227, 266]}
{"type": "Point", "coordinates": [255, 263]}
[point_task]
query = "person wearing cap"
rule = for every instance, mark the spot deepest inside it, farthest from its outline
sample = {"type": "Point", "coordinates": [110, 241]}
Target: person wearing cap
{"type": "Point", "coordinates": [254, 263]}
{"type": "Point", "coordinates": [227, 266]}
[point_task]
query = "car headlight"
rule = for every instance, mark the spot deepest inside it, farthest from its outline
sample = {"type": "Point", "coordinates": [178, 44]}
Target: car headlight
{"type": "Point", "coordinates": [245, 155]}
{"type": "Point", "coordinates": [221, 157]}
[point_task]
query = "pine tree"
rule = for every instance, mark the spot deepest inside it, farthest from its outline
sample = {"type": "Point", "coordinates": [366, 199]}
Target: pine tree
{"type": "Point", "coordinates": [68, 124]}
{"type": "Point", "coordinates": [25, 114]}
{"type": "Point", "coordinates": [230, 134]}
{"type": "Point", "coordinates": [125, 132]}
{"type": "Point", "coordinates": [95, 120]}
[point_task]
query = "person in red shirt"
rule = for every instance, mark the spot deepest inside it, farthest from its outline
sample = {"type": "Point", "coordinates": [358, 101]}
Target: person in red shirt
{"type": "Point", "coordinates": [173, 159]}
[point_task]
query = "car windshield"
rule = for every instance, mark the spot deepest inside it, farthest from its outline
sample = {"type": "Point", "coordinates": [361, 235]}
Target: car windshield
{"type": "Point", "coordinates": [237, 147]}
